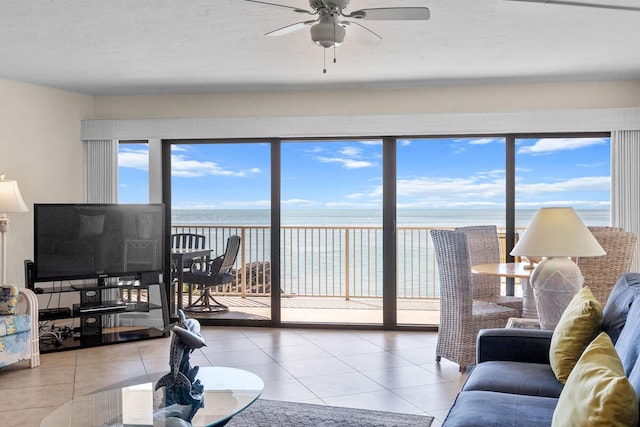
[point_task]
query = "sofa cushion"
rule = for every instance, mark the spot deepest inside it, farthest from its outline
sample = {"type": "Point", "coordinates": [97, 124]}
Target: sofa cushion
{"type": "Point", "coordinates": [10, 325]}
{"type": "Point", "coordinates": [580, 323]}
{"type": "Point", "coordinates": [8, 299]}
{"type": "Point", "coordinates": [14, 348]}
{"type": "Point", "coordinates": [597, 391]}
{"type": "Point", "coordinates": [623, 294]}
{"type": "Point", "coordinates": [534, 379]}
{"type": "Point", "coordinates": [488, 408]}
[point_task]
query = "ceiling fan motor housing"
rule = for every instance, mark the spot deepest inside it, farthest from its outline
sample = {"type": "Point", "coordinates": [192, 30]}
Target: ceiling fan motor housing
{"type": "Point", "coordinates": [327, 33]}
{"type": "Point", "coordinates": [320, 4]}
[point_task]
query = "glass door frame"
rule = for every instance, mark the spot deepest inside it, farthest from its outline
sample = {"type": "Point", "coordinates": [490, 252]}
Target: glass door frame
{"type": "Point", "coordinates": [389, 215]}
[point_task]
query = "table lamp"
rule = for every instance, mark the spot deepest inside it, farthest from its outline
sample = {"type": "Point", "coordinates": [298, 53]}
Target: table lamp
{"type": "Point", "coordinates": [10, 201]}
{"type": "Point", "coordinates": [556, 234]}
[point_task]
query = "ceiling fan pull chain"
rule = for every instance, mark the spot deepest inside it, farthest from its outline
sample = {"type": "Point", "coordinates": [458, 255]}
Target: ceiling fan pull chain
{"type": "Point", "coordinates": [324, 58]}
{"type": "Point", "coordinates": [334, 45]}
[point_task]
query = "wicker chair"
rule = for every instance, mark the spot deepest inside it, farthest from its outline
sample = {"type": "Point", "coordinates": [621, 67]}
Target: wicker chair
{"type": "Point", "coordinates": [601, 273]}
{"type": "Point", "coordinates": [461, 317]}
{"type": "Point", "coordinates": [484, 248]}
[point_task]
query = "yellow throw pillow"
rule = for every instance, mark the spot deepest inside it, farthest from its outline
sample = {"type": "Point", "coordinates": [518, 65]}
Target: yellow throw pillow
{"type": "Point", "coordinates": [578, 326]}
{"type": "Point", "coordinates": [597, 393]}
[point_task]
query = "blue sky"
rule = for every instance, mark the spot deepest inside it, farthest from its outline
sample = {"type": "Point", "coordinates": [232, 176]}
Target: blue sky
{"type": "Point", "coordinates": [432, 173]}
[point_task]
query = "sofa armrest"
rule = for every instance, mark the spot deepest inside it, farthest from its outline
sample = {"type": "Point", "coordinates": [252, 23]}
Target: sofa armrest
{"type": "Point", "coordinates": [28, 303]}
{"type": "Point", "coordinates": [514, 345]}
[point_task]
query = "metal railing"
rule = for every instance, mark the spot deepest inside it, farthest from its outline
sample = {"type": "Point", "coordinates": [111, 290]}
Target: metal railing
{"type": "Point", "coordinates": [327, 261]}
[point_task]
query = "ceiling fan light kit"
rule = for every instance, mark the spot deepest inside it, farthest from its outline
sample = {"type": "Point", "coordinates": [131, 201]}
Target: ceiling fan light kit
{"type": "Point", "coordinates": [327, 34]}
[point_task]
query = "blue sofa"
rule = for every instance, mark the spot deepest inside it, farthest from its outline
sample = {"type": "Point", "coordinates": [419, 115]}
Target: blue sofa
{"type": "Point", "coordinates": [513, 384]}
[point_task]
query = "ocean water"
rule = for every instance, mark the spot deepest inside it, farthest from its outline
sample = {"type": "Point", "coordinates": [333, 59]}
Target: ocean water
{"type": "Point", "coordinates": [370, 217]}
{"type": "Point", "coordinates": [314, 262]}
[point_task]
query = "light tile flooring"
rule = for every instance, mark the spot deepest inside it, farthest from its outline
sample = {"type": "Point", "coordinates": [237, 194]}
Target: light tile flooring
{"type": "Point", "coordinates": [381, 370]}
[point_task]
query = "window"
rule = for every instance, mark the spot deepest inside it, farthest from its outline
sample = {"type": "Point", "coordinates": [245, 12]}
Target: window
{"type": "Point", "coordinates": [133, 172]}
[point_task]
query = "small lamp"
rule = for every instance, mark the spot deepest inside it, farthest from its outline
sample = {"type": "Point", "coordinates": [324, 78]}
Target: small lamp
{"type": "Point", "coordinates": [10, 201]}
{"type": "Point", "coordinates": [556, 234]}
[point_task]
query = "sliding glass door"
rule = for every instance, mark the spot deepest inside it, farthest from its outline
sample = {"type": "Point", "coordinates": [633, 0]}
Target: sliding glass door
{"type": "Point", "coordinates": [335, 262]}
{"type": "Point", "coordinates": [441, 183]}
{"type": "Point", "coordinates": [221, 190]}
{"type": "Point", "coordinates": [331, 236]}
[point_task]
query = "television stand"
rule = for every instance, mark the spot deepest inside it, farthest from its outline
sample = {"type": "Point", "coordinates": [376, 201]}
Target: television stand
{"type": "Point", "coordinates": [102, 312]}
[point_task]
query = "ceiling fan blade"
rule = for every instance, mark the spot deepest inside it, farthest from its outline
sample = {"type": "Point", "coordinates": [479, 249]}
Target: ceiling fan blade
{"type": "Point", "coordinates": [347, 23]}
{"type": "Point", "coordinates": [295, 9]}
{"type": "Point", "coordinates": [392, 14]}
{"type": "Point", "coordinates": [290, 28]}
{"type": "Point", "coordinates": [582, 4]}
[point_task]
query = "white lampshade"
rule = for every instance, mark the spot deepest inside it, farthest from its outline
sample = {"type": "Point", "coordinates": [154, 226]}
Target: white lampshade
{"type": "Point", "coordinates": [10, 197]}
{"type": "Point", "coordinates": [557, 232]}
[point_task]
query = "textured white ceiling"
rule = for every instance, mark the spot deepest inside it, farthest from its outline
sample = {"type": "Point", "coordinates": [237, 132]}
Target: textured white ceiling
{"type": "Point", "coordinates": [191, 46]}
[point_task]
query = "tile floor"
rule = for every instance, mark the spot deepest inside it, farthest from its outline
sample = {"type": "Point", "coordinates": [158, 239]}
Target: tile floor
{"type": "Point", "coordinates": [382, 370]}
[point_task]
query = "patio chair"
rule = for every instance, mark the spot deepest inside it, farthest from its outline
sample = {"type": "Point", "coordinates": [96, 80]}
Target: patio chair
{"type": "Point", "coordinates": [461, 316]}
{"type": "Point", "coordinates": [484, 248]}
{"type": "Point", "coordinates": [601, 273]}
{"type": "Point", "coordinates": [187, 241]}
{"type": "Point", "coordinates": [207, 274]}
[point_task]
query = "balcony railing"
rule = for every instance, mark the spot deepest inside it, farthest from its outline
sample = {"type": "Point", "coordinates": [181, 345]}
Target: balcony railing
{"type": "Point", "coordinates": [326, 261]}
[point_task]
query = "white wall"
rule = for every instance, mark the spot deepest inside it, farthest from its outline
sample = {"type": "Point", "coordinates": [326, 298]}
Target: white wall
{"type": "Point", "coordinates": [41, 149]}
{"type": "Point", "coordinates": [436, 99]}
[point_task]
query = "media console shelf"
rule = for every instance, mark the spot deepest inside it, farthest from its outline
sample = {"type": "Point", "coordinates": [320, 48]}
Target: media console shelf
{"type": "Point", "coordinates": [92, 314]}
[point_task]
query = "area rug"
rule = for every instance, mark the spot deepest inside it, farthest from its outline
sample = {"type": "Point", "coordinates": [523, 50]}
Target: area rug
{"type": "Point", "coordinates": [271, 413]}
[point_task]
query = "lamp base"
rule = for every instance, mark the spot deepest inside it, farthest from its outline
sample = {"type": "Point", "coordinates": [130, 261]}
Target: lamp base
{"type": "Point", "coordinates": [555, 282]}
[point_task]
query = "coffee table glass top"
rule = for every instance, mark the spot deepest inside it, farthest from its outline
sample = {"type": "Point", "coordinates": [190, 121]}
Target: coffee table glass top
{"type": "Point", "coordinates": [228, 391]}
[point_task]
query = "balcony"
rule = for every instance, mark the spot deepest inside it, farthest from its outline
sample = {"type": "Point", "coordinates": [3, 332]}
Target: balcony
{"type": "Point", "coordinates": [328, 274]}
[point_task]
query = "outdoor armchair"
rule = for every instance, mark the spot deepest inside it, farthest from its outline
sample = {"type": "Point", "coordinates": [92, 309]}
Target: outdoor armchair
{"type": "Point", "coordinates": [208, 274]}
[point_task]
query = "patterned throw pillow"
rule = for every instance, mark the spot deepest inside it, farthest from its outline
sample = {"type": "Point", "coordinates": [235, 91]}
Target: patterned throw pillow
{"type": "Point", "coordinates": [8, 299]}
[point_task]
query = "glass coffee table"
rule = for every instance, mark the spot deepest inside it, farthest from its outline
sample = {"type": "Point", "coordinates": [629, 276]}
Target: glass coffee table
{"type": "Point", "coordinates": [227, 391]}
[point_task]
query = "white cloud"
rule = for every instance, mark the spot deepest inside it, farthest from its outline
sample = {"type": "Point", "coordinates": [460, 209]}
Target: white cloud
{"type": "Point", "coordinates": [134, 159]}
{"type": "Point", "coordinates": [586, 184]}
{"type": "Point", "coordinates": [404, 142]}
{"type": "Point", "coordinates": [247, 204]}
{"type": "Point", "coordinates": [353, 205]}
{"type": "Point", "coordinates": [370, 142]}
{"type": "Point", "coordinates": [482, 141]}
{"type": "Point", "coordinates": [549, 145]}
{"type": "Point", "coordinates": [350, 151]}
{"type": "Point", "coordinates": [488, 191]}
{"type": "Point", "coordinates": [305, 202]}
{"type": "Point", "coordinates": [572, 203]}
{"type": "Point", "coordinates": [189, 168]}
{"type": "Point", "coordinates": [493, 173]}
{"type": "Point", "coordinates": [450, 188]}
{"type": "Point", "coordinates": [355, 196]}
{"type": "Point", "coordinates": [347, 163]}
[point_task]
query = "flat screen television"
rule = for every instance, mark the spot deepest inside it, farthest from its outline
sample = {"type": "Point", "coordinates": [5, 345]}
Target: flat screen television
{"type": "Point", "coordinates": [87, 241]}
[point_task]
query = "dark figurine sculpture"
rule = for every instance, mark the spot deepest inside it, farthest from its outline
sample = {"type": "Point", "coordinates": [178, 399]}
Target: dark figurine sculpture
{"type": "Point", "coordinates": [183, 392]}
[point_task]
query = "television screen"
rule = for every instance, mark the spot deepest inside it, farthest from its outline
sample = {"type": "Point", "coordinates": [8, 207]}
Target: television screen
{"type": "Point", "coordinates": [83, 241]}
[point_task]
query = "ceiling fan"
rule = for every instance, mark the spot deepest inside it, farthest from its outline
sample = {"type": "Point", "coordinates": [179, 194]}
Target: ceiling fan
{"type": "Point", "coordinates": [328, 29]}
